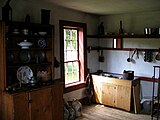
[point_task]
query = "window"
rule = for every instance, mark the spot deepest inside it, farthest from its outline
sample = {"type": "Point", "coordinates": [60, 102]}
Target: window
{"type": "Point", "coordinates": [71, 56]}
{"type": "Point", "coordinates": [73, 52]}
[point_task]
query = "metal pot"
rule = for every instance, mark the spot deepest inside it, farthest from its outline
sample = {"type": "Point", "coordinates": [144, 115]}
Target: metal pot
{"type": "Point", "coordinates": [128, 75]}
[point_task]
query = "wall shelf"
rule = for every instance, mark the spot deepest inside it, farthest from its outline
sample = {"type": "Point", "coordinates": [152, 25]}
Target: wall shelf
{"type": "Point", "coordinates": [90, 48]}
{"type": "Point", "coordinates": [123, 36]}
{"type": "Point", "coordinates": [119, 41]}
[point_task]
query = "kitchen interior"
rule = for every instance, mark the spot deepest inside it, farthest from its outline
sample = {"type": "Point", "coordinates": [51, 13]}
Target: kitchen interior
{"type": "Point", "coordinates": [124, 49]}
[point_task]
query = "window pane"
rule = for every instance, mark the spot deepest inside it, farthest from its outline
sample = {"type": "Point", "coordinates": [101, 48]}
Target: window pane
{"type": "Point", "coordinates": [71, 72]}
{"type": "Point", "coordinates": [70, 45]}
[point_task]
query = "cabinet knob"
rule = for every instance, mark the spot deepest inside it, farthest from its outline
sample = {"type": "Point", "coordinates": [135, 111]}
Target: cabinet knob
{"type": "Point", "coordinates": [44, 110]}
{"type": "Point", "coordinates": [29, 101]}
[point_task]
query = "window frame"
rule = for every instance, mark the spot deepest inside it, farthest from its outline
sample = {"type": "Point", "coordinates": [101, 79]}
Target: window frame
{"type": "Point", "coordinates": [81, 27]}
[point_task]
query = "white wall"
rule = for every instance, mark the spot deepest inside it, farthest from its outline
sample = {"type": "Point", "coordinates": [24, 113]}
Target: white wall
{"type": "Point", "coordinates": [115, 60]}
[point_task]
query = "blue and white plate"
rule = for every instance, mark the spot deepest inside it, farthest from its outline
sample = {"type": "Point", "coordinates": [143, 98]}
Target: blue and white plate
{"type": "Point", "coordinates": [42, 43]}
{"type": "Point", "coordinates": [24, 74]}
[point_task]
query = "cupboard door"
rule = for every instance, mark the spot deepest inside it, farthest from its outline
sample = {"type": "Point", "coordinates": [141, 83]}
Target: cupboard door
{"type": "Point", "coordinates": [41, 104]}
{"type": "Point", "coordinates": [109, 96]}
{"type": "Point", "coordinates": [57, 92]}
{"type": "Point", "coordinates": [124, 97]}
{"type": "Point", "coordinates": [16, 107]}
{"type": "Point", "coordinates": [21, 106]}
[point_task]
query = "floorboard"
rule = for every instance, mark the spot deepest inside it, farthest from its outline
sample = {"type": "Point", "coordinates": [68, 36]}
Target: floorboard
{"type": "Point", "coordinates": [101, 112]}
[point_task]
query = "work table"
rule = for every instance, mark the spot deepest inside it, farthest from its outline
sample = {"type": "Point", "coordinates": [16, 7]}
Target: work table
{"type": "Point", "coordinates": [117, 92]}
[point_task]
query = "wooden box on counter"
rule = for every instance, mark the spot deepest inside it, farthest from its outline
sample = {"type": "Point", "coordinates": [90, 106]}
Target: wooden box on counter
{"type": "Point", "coordinates": [116, 92]}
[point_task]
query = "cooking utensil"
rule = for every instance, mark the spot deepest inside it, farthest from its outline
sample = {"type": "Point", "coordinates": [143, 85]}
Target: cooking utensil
{"type": "Point", "coordinates": [137, 54]}
{"type": "Point", "coordinates": [129, 59]}
{"type": "Point", "coordinates": [101, 57]}
{"type": "Point", "coordinates": [148, 56]}
{"type": "Point", "coordinates": [158, 55]}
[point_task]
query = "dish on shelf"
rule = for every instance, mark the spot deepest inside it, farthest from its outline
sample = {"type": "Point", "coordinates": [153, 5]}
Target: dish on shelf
{"type": "Point", "coordinates": [43, 76]}
{"type": "Point", "coordinates": [40, 56]}
{"type": "Point", "coordinates": [24, 74]}
{"type": "Point", "coordinates": [42, 43]}
{"type": "Point", "coordinates": [15, 32]}
{"type": "Point", "coordinates": [42, 33]}
{"type": "Point", "coordinates": [25, 44]}
{"type": "Point", "coordinates": [25, 56]}
{"type": "Point", "coordinates": [10, 57]}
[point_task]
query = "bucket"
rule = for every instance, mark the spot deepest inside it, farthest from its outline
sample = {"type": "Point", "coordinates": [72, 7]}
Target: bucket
{"type": "Point", "coordinates": [146, 102]}
{"type": "Point", "coordinates": [45, 16]}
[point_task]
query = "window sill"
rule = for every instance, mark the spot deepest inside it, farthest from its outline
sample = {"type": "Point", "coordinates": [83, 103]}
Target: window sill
{"type": "Point", "coordinates": [74, 86]}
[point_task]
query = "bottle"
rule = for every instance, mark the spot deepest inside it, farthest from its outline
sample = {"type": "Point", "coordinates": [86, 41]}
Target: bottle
{"type": "Point", "coordinates": [27, 19]}
{"type": "Point", "coordinates": [7, 12]}
{"type": "Point", "coordinates": [101, 29]}
{"type": "Point", "coordinates": [121, 29]}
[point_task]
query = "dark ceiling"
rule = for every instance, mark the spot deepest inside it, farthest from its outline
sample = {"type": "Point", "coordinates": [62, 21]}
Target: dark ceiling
{"type": "Point", "coordinates": [105, 7]}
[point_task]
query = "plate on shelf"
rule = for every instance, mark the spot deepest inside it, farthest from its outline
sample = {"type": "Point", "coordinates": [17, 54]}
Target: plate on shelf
{"type": "Point", "coordinates": [40, 56]}
{"type": "Point", "coordinates": [10, 57]}
{"type": "Point", "coordinates": [25, 56]}
{"type": "Point", "coordinates": [16, 32]}
{"type": "Point", "coordinates": [42, 33]}
{"type": "Point", "coordinates": [42, 43]}
{"type": "Point", "coordinates": [24, 74]}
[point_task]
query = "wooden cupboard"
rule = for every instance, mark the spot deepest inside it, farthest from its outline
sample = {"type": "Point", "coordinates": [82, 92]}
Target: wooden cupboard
{"type": "Point", "coordinates": [38, 104]}
{"type": "Point", "coordinates": [23, 100]}
{"type": "Point", "coordinates": [116, 92]}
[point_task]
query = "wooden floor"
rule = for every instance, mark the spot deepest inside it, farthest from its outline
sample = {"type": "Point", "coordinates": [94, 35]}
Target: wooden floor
{"type": "Point", "coordinates": [100, 112]}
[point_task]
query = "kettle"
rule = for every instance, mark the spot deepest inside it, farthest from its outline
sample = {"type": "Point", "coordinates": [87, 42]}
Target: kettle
{"type": "Point", "coordinates": [128, 75]}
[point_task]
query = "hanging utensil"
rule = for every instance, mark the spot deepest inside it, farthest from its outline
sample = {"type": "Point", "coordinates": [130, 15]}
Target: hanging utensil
{"type": "Point", "coordinates": [158, 55]}
{"type": "Point", "coordinates": [129, 59]}
{"type": "Point", "coordinates": [137, 54]}
{"type": "Point", "coordinates": [148, 56]}
{"type": "Point", "coordinates": [133, 54]}
{"type": "Point", "coordinates": [101, 57]}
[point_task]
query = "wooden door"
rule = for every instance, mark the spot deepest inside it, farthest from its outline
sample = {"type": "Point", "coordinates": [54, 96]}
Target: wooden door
{"type": "Point", "coordinates": [57, 92]}
{"type": "Point", "coordinates": [41, 104]}
{"type": "Point", "coordinates": [16, 106]}
{"type": "Point", "coordinates": [21, 106]}
{"type": "Point", "coordinates": [109, 96]}
{"type": "Point", "coordinates": [123, 97]}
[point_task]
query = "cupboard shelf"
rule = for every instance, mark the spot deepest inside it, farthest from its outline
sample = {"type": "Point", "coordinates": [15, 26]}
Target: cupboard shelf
{"type": "Point", "coordinates": [30, 49]}
{"type": "Point", "coordinates": [28, 64]}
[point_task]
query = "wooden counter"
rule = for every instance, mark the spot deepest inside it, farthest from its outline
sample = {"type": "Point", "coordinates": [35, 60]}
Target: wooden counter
{"type": "Point", "coordinates": [116, 92]}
